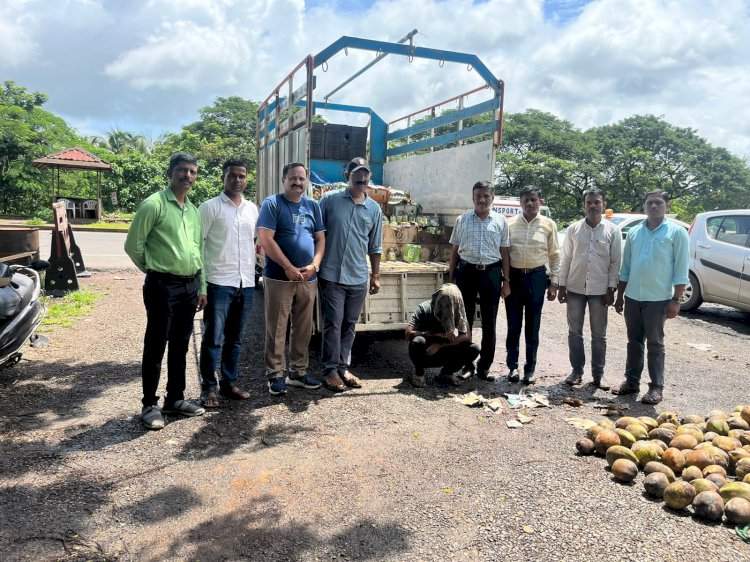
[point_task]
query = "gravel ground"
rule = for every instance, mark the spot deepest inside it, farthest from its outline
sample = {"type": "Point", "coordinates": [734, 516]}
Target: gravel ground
{"type": "Point", "coordinates": [381, 473]}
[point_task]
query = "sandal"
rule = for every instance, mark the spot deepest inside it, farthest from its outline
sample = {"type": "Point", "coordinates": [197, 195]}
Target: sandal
{"type": "Point", "coordinates": [209, 399]}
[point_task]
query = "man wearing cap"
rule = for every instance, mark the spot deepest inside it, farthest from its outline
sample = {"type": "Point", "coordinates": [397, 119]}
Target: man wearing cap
{"type": "Point", "coordinates": [354, 232]}
{"type": "Point", "coordinates": [164, 241]}
{"type": "Point", "coordinates": [479, 264]}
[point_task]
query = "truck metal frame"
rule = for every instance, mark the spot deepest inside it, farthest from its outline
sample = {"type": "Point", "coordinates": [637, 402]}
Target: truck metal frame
{"type": "Point", "coordinates": [285, 119]}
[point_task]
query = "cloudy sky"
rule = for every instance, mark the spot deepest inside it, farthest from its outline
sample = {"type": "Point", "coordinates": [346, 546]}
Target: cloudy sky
{"type": "Point", "coordinates": [147, 66]}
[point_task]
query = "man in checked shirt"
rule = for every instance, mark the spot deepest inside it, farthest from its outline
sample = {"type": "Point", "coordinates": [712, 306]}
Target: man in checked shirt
{"type": "Point", "coordinates": [588, 277]}
{"type": "Point", "coordinates": [479, 264]}
{"type": "Point", "coordinates": [533, 245]}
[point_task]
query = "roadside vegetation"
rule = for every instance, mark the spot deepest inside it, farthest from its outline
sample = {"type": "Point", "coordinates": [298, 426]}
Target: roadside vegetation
{"type": "Point", "coordinates": [64, 311]}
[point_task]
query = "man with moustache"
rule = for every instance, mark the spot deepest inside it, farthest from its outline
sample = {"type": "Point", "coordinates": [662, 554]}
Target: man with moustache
{"type": "Point", "coordinates": [588, 278]}
{"type": "Point", "coordinates": [164, 241]}
{"type": "Point", "coordinates": [292, 235]}
{"type": "Point", "coordinates": [479, 264]}
{"type": "Point", "coordinates": [354, 233]}
{"type": "Point", "coordinates": [228, 222]}
{"type": "Point", "coordinates": [533, 246]}
{"type": "Point", "coordinates": [653, 276]}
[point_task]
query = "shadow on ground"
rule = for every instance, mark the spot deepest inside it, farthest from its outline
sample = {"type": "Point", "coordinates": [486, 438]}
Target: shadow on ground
{"type": "Point", "coordinates": [255, 533]}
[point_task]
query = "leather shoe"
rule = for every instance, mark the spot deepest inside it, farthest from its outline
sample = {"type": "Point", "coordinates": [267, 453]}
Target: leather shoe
{"type": "Point", "coordinates": [625, 388]}
{"type": "Point", "coordinates": [350, 380]}
{"type": "Point", "coordinates": [513, 375]}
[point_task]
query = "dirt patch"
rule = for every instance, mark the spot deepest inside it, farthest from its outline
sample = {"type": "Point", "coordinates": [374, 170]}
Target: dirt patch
{"type": "Point", "coordinates": [381, 473]}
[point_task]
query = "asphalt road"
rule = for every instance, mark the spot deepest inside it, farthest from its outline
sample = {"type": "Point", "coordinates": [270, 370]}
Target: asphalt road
{"type": "Point", "coordinates": [102, 251]}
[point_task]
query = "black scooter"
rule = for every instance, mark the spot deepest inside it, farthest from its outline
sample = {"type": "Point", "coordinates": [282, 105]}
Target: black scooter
{"type": "Point", "coordinates": [21, 310]}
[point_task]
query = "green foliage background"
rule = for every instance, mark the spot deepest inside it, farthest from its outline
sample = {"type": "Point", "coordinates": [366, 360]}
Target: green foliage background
{"type": "Point", "coordinates": [625, 159]}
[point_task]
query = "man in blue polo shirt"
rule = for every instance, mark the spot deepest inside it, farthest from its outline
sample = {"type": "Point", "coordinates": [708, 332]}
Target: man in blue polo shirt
{"type": "Point", "coordinates": [653, 276]}
{"type": "Point", "coordinates": [291, 233]}
{"type": "Point", "coordinates": [354, 232]}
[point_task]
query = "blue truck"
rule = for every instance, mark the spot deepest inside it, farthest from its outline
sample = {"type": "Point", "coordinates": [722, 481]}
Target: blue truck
{"type": "Point", "coordinates": [435, 154]}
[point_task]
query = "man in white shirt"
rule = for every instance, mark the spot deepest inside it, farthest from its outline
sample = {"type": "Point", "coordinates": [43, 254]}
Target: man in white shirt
{"type": "Point", "coordinates": [228, 222]}
{"type": "Point", "coordinates": [589, 269]}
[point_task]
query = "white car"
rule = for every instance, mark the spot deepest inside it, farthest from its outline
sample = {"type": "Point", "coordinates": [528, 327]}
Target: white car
{"type": "Point", "coordinates": [719, 260]}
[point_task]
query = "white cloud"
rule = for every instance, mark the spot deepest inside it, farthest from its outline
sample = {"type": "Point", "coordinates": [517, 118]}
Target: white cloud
{"type": "Point", "coordinates": [152, 65]}
{"type": "Point", "coordinates": [17, 46]}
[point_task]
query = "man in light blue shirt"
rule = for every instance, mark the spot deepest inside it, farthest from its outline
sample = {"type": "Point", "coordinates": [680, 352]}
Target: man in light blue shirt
{"type": "Point", "coordinates": [653, 276]}
{"type": "Point", "coordinates": [354, 232]}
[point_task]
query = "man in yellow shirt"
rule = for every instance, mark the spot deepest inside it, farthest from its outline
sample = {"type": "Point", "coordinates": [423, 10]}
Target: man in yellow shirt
{"type": "Point", "coordinates": [533, 247]}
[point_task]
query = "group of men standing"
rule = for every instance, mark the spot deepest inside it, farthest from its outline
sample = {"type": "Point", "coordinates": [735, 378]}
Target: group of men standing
{"type": "Point", "coordinates": [204, 259]}
{"type": "Point", "coordinates": [520, 261]}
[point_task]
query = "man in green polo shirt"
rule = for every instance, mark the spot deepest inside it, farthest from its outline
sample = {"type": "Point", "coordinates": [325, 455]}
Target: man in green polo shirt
{"type": "Point", "coordinates": [164, 241]}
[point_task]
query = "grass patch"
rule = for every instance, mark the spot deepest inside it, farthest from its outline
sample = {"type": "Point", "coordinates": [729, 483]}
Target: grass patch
{"type": "Point", "coordinates": [35, 222]}
{"type": "Point", "coordinates": [106, 225]}
{"type": "Point", "coordinates": [65, 310]}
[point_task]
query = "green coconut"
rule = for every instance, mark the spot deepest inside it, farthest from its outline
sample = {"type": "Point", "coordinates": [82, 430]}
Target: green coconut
{"type": "Point", "coordinates": [742, 468]}
{"type": "Point", "coordinates": [683, 442]}
{"type": "Point", "coordinates": [691, 429]}
{"type": "Point", "coordinates": [604, 440]}
{"type": "Point", "coordinates": [668, 417]}
{"type": "Point", "coordinates": [735, 490]}
{"type": "Point", "coordinates": [646, 451]}
{"type": "Point", "coordinates": [674, 459]}
{"type": "Point", "coordinates": [715, 469]}
{"type": "Point", "coordinates": [655, 466]}
{"type": "Point", "coordinates": [650, 423]}
{"type": "Point", "coordinates": [717, 479]}
{"type": "Point", "coordinates": [625, 421]}
{"type": "Point", "coordinates": [619, 452]}
{"type": "Point", "coordinates": [585, 446]}
{"type": "Point", "coordinates": [726, 443]}
{"type": "Point", "coordinates": [678, 495]}
{"type": "Point", "coordinates": [745, 413]}
{"type": "Point", "coordinates": [717, 425]}
{"type": "Point", "coordinates": [626, 438]}
{"type": "Point", "coordinates": [703, 485]}
{"type": "Point", "coordinates": [693, 419]}
{"type": "Point", "coordinates": [662, 434]}
{"type": "Point", "coordinates": [736, 423]}
{"type": "Point", "coordinates": [638, 430]}
{"type": "Point", "coordinates": [692, 473]}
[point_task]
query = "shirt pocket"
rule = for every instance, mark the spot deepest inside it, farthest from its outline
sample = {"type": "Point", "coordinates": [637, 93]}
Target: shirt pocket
{"type": "Point", "coordinates": [362, 220]}
{"type": "Point", "coordinates": [600, 248]}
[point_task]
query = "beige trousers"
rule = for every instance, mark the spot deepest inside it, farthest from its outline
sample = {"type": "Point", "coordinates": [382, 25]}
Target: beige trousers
{"type": "Point", "coordinates": [285, 300]}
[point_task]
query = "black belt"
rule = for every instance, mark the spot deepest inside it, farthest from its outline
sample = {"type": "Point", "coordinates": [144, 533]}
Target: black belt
{"type": "Point", "coordinates": [524, 271]}
{"type": "Point", "coordinates": [172, 276]}
{"type": "Point", "coordinates": [481, 266]}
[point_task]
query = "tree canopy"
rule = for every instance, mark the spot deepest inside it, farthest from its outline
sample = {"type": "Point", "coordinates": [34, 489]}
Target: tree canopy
{"type": "Point", "coordinates": [624, 159]}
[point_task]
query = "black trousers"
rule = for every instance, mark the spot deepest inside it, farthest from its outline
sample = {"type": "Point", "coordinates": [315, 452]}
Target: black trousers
{"type": "Point", "coordinates": [486, 283]}
{"type": "Point", "coordinates": [450, 357]}
{"type": "Point", "coordinates": [170, 308]}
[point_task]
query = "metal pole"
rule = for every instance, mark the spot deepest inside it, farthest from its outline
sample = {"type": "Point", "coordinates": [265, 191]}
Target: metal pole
{"type": "Point", "coordinates": [381, 56]}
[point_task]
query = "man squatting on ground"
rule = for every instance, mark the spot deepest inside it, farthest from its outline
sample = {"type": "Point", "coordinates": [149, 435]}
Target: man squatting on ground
{"type": "Point", "coordinates": [228, 222]}
{"type": "Point", "coordinates": [533, 244]}
{"type": "Point", "coordinates": [164, 241]}
{"type": "Point", "coordinates": [354, 232]}
{"type": "Point", "coordinates": [588, 277]}
{"type": "Point", "coordinates": [653, 276]}
{"type": "Point", "coordinates": [439, 336]}
{"type": "Point", "coordinates": [292, 235]}
{"type": "Point", "coordinates": [479, 264]}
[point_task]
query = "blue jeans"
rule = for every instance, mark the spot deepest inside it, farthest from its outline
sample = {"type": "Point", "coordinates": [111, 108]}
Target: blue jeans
{"type": "Point", "coordinates": [224, 318]}
{"type": "Point", "coordinates": [342, 305]}
{"type": "Point", "coordinates": [526, 296]}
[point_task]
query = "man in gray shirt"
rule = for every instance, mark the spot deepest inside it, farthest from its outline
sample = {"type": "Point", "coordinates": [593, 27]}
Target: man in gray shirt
{"type": "Point", "coordinates": [354, 231]}
{"type": "Point", "coordinates": [588, 277]}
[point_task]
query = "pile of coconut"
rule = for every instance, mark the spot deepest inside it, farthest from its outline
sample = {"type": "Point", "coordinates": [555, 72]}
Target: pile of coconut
{"type": "Point", "coordinates": [690, 462]}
